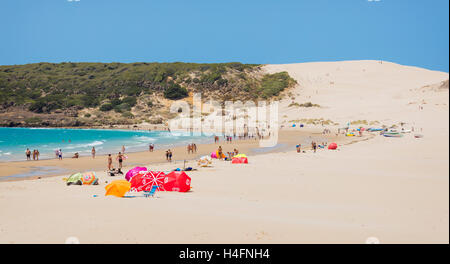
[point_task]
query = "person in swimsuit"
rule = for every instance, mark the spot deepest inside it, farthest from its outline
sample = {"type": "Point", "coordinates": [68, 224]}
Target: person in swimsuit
{"type": "Point", "coordinates": [219, 152]}
{"type": "Point", "coordinates": [59, 154]}
{"type": "Point", "coordinates": [93, 152]}
{"type": "Point", "coordinates": [170, 155]}
{"type": "Point", "coordinates": [28, 153]}
{"type": "Point", "coordinates": [37, 154]}
{"type": "Point", "coordinates": [109, 162]}
{"type": "Point", "coordinates": [120, 159]}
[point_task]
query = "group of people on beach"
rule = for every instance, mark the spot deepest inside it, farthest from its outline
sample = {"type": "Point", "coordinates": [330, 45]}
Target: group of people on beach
{"type": "Point", "coordinates": [35, 154]}
{"type": "Point", "coordinates": [169, 155]}
{"type": "Point", "coordinates": [191, 148]}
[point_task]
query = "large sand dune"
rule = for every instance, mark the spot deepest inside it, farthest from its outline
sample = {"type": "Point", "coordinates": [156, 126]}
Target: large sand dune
{"type": "Point", "coordinates": [362, 90]}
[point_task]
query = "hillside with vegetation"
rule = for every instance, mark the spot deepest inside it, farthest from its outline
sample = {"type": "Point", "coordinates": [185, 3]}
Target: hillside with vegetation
{"type": "Point", "coordinates": [97, 94]}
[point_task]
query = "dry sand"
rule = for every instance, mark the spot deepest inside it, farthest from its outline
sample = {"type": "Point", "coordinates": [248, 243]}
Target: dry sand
{"type": "Point", "coordinates": [394, 189]}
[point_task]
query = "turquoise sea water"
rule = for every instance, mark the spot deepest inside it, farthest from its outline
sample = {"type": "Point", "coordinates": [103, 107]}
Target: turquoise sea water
{"type": "Point", "coordinates": [14, 141]}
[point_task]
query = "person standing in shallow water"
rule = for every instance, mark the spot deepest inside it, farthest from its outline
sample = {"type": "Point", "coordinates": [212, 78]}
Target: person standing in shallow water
{"type": "Point", "coordinates": [28, 154]}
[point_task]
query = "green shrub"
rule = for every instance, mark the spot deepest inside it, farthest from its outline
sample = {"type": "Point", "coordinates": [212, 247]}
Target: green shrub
{"type": "Point", "coordinates": [106, 107]}
{"type": "Point", "coordinates": [273, 84]}
{"type": "Point", "coordinates": [131, 101]}
{"type": "Point", "coordinates": [175, 92]}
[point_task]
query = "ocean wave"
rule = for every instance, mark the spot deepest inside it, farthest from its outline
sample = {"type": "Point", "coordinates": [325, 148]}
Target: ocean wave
{"type": "Point", "coordinates": [144, 138]}
{"type": "Point", "coordinates": [92, 144]}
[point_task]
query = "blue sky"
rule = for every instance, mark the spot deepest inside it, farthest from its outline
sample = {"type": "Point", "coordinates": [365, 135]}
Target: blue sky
{"type": "Point", "coordinates": [410, 32]}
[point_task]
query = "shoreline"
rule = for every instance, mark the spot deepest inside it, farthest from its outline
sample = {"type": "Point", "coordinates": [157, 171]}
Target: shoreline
{"type": "Point", "coordinates": [19, 170]}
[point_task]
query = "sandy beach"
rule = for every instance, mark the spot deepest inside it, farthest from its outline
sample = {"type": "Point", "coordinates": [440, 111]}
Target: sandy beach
{"type": "Point", "coordinates": [393, 189]}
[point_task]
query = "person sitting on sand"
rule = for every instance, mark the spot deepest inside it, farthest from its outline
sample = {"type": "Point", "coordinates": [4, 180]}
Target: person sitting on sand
{"type": "Point", "coordinates": [236, 151]}
{"type": "Point", "coordinates": [314, 146]}
{"type": "Point", "coordinates": [76, 155]}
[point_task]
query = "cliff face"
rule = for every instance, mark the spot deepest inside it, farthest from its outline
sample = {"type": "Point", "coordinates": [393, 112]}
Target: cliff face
{"type": "Point", "coordinates": [99, 94]}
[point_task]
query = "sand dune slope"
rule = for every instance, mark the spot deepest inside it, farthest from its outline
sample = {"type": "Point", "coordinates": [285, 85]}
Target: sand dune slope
{"type": "Point", "coordinates": [362, 90]}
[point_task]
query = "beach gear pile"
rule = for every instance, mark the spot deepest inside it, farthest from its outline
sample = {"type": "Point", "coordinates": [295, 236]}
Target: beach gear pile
{"type": "Point", "coordinates": [204, 161]}
{"type": "Point", "coordinates": [87, 178]}
{"type": "Point", "coordinates": [239, 159]}
{"type": "Point", "coordinates": [142, 180]}
{"type": "Point", "coordinates": [215, 155]}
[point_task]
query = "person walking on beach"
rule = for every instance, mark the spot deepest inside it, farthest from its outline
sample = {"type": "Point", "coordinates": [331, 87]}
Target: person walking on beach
{"type": "Point", "coordinates": [152, 147]}
{"type": "Point", "coordinates": [314, 146]}
{"type": "Point", "coordinates": [28, 154]}
{"type": "Point", "coordinates": [123, 149]}
{"type": "Point", "coordinates": [37, 154]}
{"type": "Point", "coordinates": [59, 154]}
{"type": "Point", "coordinates": [194, 147]}
{"type": "Point", "coordinates": [109, 162]}
{"type": "Point", "coordinates": [34, 154]}
{"type": "Point", "coordinates": [93, 152]}
{"type": "Point", "coordinates": [169, 155]}
{"type": "Point", "coordinates": [120, 159]}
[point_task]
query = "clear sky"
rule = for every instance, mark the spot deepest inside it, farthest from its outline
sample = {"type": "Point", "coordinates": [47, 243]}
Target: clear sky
{"type": "Point", "coordinates": [410, 32]}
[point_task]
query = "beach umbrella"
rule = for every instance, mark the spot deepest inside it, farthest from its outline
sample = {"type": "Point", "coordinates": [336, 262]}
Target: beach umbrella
{"type": "Point", "coordinates": [144, 181]}
{"type": "Point", "coordinates": [89, 178]}
{"type": "Point", "coordinates": [239, 159]}
{"type": "Point", "coordinates": [177, 181]}
{"type": "Point", "coordinates": [118, 188]}
{"type": "Point", "coordinates": [75, 179]}
{"type": "Point", "coordinates": [133, 172]}
{"type": "Point", "coordinates": [332, 146]}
